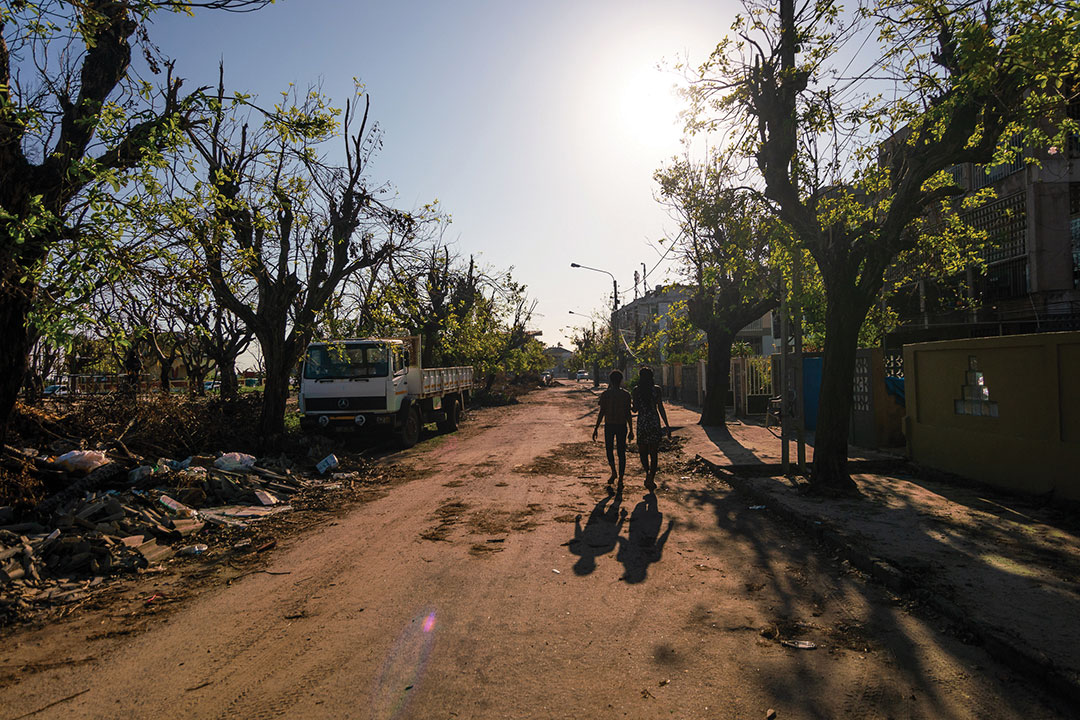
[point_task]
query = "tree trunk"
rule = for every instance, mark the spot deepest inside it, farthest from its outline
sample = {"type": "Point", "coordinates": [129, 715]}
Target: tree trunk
{"type": "Point", "coordinates": [132, 369]}
{"type": "Point", "coordinates": [844, 316]}
{"type": "Point", "coordinates": [230, 388]}
{"type": "Point", "coordinates": [197, 382]}
{"type": "Point", "coordinates": [279, 364]}
{"type": "Point", "coordinates": [163, 377]}
{"type": "Point", "coordinates": [717, 377]}
{"type": "Point", "coordinates": [14, 308]}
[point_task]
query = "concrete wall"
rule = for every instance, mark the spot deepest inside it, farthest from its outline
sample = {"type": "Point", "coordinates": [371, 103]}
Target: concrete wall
{"type": "Point", "coordinates": [1003, 410]}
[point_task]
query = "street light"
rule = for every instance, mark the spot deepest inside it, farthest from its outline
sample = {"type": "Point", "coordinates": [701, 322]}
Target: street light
{"type": "Point", "coordinates": [614, 309]}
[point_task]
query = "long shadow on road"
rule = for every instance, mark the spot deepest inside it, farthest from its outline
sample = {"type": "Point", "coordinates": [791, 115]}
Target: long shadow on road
{"type": "Point", "coordinates": [644, 544]}
{"type": "Point", "coordinates": [600, 534]}
{"type": "Point", "coordinates": [799, 574]}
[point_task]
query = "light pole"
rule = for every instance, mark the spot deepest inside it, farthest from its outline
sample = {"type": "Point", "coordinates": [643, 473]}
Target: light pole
{"type": "Point", "coordinates": [614, 310]}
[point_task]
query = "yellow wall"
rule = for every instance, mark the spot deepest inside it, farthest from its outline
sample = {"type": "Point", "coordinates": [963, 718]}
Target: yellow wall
{"type": "Point", "coordinates": [1033, 444]}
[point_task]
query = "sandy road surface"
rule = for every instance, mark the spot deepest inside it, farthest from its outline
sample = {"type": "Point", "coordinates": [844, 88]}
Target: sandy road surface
{"type": "Point", "coordinates": [510, 584]}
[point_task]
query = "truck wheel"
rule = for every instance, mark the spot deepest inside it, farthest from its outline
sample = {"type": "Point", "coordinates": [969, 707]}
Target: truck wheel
{"type": "Point", "coordinates": [409, 433]}
{"type": "Point", "coordinates": [453, 417]}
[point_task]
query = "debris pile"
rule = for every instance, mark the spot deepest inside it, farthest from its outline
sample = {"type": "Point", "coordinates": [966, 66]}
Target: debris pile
{"type": "Point", "coordinates": [117, 518]}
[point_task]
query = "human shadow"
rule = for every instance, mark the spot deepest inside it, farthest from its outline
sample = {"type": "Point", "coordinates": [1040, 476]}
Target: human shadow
{"type": "Point", "coordinates": [600, 534]}
{"type": "Point", "coordinates": [644, 544]}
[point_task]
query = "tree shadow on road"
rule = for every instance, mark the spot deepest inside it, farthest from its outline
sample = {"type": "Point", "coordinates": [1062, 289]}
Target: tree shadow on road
{"type": "Point", "coordinates": [644, 544]}
{"type": "Point", "coordinates": [736, 453]}
{"type": "Point", "coordinates": [600, 534]}
{"type": "Point", "coordinates": [794, 571]}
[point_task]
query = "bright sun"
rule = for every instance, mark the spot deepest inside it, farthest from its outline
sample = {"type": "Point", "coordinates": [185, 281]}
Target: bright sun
{"type": "Point", "coordinates": [649, 109]}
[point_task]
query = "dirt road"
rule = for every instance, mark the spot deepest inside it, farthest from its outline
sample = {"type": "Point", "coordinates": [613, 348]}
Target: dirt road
{"type": "Point", "coordinates": [510, 584]}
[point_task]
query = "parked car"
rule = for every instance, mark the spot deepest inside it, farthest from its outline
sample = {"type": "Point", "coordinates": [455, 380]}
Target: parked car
{"type": "Point", "coordinates": [54, 390]}
{"type": "Point", "coordinates": [582, 375]}
{"type": "Point", "coordinates": [212, 385]}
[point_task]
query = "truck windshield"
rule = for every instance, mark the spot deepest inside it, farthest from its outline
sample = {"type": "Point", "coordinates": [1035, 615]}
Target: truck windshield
{"type": "Point", "coordinates": [330, 362]}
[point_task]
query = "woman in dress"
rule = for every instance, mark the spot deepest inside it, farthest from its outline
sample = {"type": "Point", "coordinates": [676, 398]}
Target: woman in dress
{"type": "Point", "coordinates": [649, 406]}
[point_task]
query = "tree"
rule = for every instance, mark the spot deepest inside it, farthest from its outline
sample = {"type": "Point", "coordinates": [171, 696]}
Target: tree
{"type": "Point", "coordinates": [670, 338]}
{"type": "Point", "coordinates": [277, 228]}
{"type": "Point", "coordinates": [211, 333]}
{"type": "Point", "coordinates": [431, 294]}
{"type": "Point", "coordinates": [854, 180]}
{"type": "Point", "coordinates": [465, 314]}
{"type": "Point", "coordinates": [730, 245]}
{"type": "Point", "coordinates": [73, 122]}
{"type": "Point", "coordinates": [593, 349]}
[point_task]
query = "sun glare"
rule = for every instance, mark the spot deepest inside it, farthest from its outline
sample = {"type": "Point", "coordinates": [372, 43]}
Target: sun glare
{"type": "Point", "coordinates": [649, 108]}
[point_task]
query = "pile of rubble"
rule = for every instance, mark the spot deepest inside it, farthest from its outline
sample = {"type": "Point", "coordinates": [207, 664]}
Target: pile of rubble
{"type": "Point", "coordinates": [117, 519]}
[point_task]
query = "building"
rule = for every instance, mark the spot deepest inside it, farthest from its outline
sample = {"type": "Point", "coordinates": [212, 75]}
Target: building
{"type": "Point", "coordinates": [1031, 280]}
{"type": "Point", "coordinates": [560, 360]}
{"type": "Point", "coordinates": [649, 314]}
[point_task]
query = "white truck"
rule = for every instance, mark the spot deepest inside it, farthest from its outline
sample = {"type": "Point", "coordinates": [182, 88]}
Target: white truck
{"type": "Point", "coordinates": [378, 383]}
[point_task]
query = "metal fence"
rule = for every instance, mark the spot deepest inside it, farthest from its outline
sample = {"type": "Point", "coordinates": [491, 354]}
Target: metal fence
{"type": "Point", "coordinates": [752, 385]}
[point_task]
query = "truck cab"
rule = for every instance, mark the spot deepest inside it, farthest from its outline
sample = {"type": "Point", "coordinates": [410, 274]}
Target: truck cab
{"type": "Point", "coordinates": [377, 383]}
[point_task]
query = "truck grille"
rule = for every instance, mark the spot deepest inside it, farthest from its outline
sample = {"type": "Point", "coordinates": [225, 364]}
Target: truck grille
{"type": "Point", "coordinates": [344, 404]}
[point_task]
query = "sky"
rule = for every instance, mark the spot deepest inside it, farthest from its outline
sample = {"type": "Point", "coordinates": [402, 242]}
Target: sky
{"type": "Point", "coordinates": [536, 125]}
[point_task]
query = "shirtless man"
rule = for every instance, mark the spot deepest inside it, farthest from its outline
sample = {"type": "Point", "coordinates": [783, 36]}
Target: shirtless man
{"type": "Point", "coordinates": [618, 426]}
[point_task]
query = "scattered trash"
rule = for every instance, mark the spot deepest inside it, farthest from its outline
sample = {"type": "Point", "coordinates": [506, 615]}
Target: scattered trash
{"type": "Point", "coordinates": [178, 464]}
{"type": "Point", "coordinates": [234, 461]}
{"type": "Point", "coordinates": [82, 460]}
{"type": "Point", "coordinates": [328, 462]}
{"type": "Point", "coordinates": [265, 498]}
{"type": "Point", "coordinates": [98, 525]}
{"type": "Point", "coordinates": [799, 644]}
{"type": "Point", "coordinates": [664, 682]}
{"type": "Point", "coordinates": [239, 515]}
{"type": "Point", "coordinates": [556, 571]}
{"type": "Point", "coordinates": [268, 545]}
{"type": "Point", "coordinates": [770, 714]}
{"type": "Point", "coordinates": [139, 473]}
{"type": "Point", "coordinates": [757, 507]}
{"type": "Point", "coordinates": [176, 507]}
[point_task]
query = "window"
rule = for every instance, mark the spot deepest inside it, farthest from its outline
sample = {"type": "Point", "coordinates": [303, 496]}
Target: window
{"type": "Point", "coordinates": [341, 361]}
{"type": "Point", "coordinates": [401, 358]}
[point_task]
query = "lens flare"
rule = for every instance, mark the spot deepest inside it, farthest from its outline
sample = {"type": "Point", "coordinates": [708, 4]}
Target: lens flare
{"type": "Point", "coordinates": [404, 667]}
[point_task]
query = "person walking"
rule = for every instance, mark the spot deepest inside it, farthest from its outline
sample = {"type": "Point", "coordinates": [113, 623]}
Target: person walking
{"type": "Point", "coordinates": [649, 405]}
{"type": "Point", "coordinates": [618, 423]}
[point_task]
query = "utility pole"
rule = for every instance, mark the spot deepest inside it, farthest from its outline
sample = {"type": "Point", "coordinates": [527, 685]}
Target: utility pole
{"type": "Point", "coordinates": [788, 47]}
{"type": "Point", "coordinates": [614, 325]}
{"type": "Point", "coordinates": [785, 403]}
{"type": "Point", "coordinates": [800, 407]}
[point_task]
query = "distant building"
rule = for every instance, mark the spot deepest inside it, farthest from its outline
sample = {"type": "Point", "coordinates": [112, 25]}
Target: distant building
{"type": "Point", "coordinates": [560, 360]}
{"type": "Point", "coordinates": [649, 314]}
